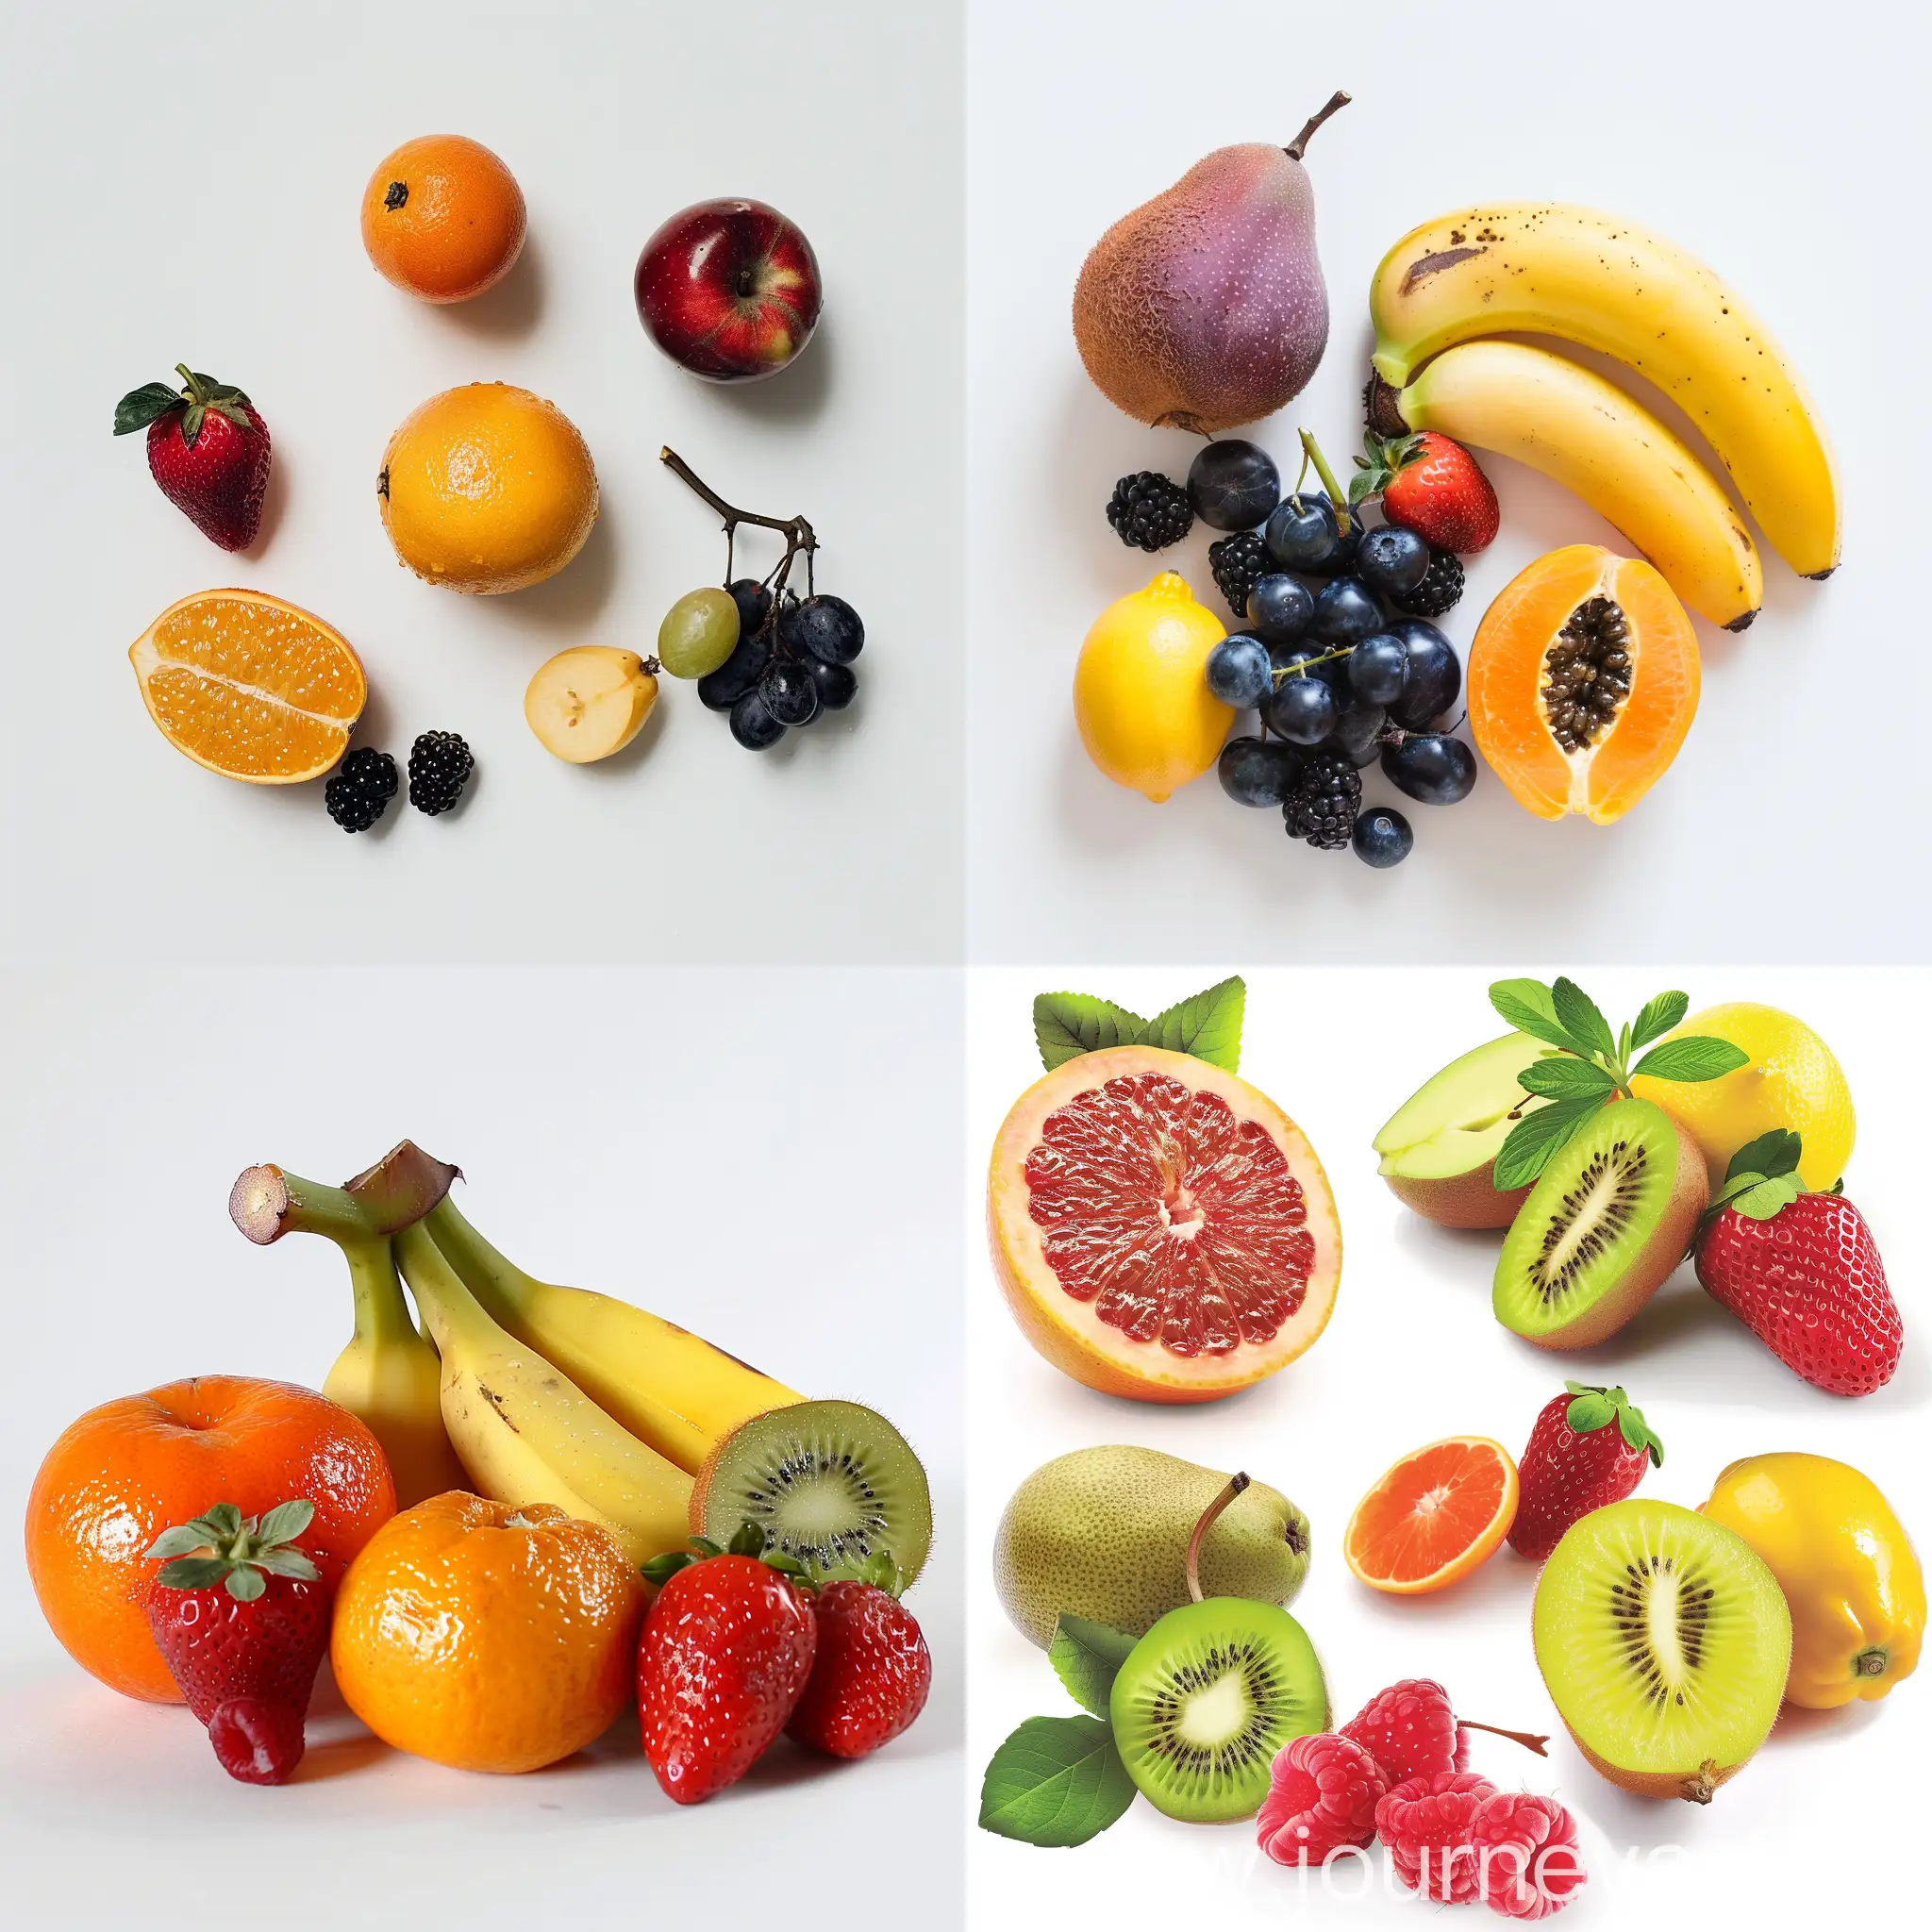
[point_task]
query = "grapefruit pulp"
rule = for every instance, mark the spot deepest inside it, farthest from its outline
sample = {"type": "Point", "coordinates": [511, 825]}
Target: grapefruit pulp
{"type": "Point", "coordinates": [1161, 1228]}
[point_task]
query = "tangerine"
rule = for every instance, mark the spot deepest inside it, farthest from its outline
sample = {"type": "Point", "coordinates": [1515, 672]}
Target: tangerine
{"type": "Point", "coordinates": [443, 218]}
{"type": "Point", "coordinates": [487, 1636]}
{"type": "Point", "coordinates": [131, 1468]}
{"type": "Point", "coordinates": [1434, 1517]}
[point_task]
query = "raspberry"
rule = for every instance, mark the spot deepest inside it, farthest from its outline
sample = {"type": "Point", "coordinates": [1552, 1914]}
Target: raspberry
{"type": "Point", "coordinates": [1410, 1731]}
{"type": "Point", "coordinates": [257, 1739]}
{"type": "Point", "coordinates": [1321, 1796]}
{"type": "Point", "coordinates": [1526, 1861]}
{"type": "Point", "coordinates": [1425, 1823]}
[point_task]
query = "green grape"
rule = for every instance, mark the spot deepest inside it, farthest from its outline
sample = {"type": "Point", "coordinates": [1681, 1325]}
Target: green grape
{"type": "Point", "coordinates": [698, 633]}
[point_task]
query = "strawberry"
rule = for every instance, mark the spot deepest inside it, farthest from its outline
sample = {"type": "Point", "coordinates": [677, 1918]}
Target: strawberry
{"type": "Point", "coordinates": [1431, 485]}
{"type": "Point", "coordinates": [241, 1617]}
{"type": "Point", "coordinates": [1801, 1271]}
{"type": "Point", "coordinates": [207, 449]}
{"type": "Point", "coordinates": [1587, 1449]}
{"type": "Point", "coordinates": [727, 1648]}
{"type": "Point", "coordinates": [873, 1669]}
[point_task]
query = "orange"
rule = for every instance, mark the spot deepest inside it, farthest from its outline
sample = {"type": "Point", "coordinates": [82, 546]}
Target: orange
{"type": "Point", "coordinates": [443, 218]}
{"type": "Point", "coordinates": [487, 1636]}
{"type": "Point", "coordinates": [130, 1469]}
{"type": "Point", "coordinates": [1436, 1515]}
{"type": "Point", "coordinates": [250, 687]}
{"type": "Point", "coordinates": [486, 489]}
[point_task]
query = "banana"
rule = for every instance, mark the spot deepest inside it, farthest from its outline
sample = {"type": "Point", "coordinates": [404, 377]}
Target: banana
{"type": "Point", "coordinates": [390, 1376]}
{"type": "Point", "coordinates": [669, 1388]}
{"type": "Point", "coordinates": [1542, 268]}
{"type": "Point", "coordinates": [526, 1433]}
{"type": "Point", "coordinates": [1586, 434]}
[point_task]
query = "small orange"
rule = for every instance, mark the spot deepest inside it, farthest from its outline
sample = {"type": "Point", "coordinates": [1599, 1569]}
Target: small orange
{"type": "Point", "coordinates": [487, 1636]}
{"type": "Point", "coordinates": [127, 1469]}
{"type": "Point", "coordinates": [443, 218]}
{"type": "Point", "coordinates": [1437, 1514]}
{"type": "Point", "coordinates": [250, 687]}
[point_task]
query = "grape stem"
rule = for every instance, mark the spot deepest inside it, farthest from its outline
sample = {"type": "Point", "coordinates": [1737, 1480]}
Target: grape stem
{"type": "Point", "coordinates": [799, 538]}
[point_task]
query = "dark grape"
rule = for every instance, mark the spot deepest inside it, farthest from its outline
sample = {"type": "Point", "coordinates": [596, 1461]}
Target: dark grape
{"type": "Point", "coordinates": [1378, 669]}
{"type": "Point", "coordinates": [1303, 710]}
{"type": "Point", "coordinates": [1233, 483]}
{"type": "Point", "coordinates": [824, 627]}
{"type": "Point", "coordinates": [1303, 534]}
{"type": "Point", "coordinates": [835, 683]}
{"type": "Point", "coordinates": [1435, 674]}
{"type": "Point", "coordinates": [754, 604]}
{"type": "Point", "coordinates": [788, 693]}
{"type": "Point", "coordinates": [1432, 767]}
{"type": "Point", "coordinates": [1259, 771]}
{"type": "Point", "coordinates": [1355, 732]}
{"type": "Point", "coordinates": [1281, 609]}
{"type": "Point", "coordinates": [1238, 671]}
{"type": "Point", "coordinates": [752, 726]}
{"type": "Point", "coordinates": [1346, 611]}
{"type": "Point", "coordinates": [739, 674]}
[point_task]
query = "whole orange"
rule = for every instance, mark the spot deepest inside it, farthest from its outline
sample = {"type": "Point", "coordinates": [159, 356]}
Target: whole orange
{"type": "Point", "coordinates": [487, 1636]}
{"type": "Point", "coordinates": [132, 1468]}
{"type": "Point", "coordinates": [443, 218]}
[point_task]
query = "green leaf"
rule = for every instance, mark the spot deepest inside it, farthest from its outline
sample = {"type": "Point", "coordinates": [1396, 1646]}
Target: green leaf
{"type": "Point", "coordinates": [747, 1539]}
{"type": "Point", "coordinates": [1590, 1412]}
{"type": "Point", "coordinates": [223, 1522]}
{"type": "Point", "coordinates": [1768, 1156]}
{"type": "Point", "coordinates": [661, 1569]}
{"type": "Point", "coordinates": [1693, 1058]}
{"type": "Point", "coordinates": [286, 1521]}
{"type": "Point", "coordinates": [1087, 1658]}
{"type": "Point", "coordinates": [182, 1540]}
{"type": "Point", "coordinates": [1056, 1781]}
{"type": "Point", "coordinates": [1066, 1024]}
{"type": "Point", "coordinates": [287, 1562]}
{"type": "Point", "coordinates": [1658, 1016]}
{"type": "Point", "coordinates": [1208, 1025]}
{"type": "Point", "coordinates": [1536, 1136]}
{"type": "Point", "coordinates": [1769, 1198]}
{"type": "Point", "coordinates": [192, 1573]}
{"type": "Point", "coordinates": [1558, 1078]}
{"type": "Point", "coordinates": [140, 407]}
{"type": "Point", "coordinates": [245, 1583]}
{"type": "Point", "coordinates": [1581, 1018]}
{"type": "Point", "coordinates": [1527, 1006]}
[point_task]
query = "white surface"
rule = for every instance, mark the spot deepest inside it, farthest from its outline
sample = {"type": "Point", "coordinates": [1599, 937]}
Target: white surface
{"type": "Point", "coordinates": [1765, 150]}
{"type": "Point", "coordinates": [1413, 1354]}
{"type": "Point", "coordinates": [704, 1143]}
{"type": "Point", "coordinates": [206, 211]}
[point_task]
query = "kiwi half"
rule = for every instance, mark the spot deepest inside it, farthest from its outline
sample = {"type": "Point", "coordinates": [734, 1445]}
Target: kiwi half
{"type": "Point", "coordinates": [1664, 1641]}
{"type": "Point", "coordinates": [1603, 1229]}
{"type": "Point", "coordinates": [1207, 1697]}
{"type": "Point", "coordinates": [831, 1484]}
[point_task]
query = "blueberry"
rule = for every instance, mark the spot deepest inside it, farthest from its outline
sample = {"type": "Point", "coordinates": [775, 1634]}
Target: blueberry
{"type": "Point", "coordinates": [1279, 609]}
{"type": "Point", "coordinates": [1238, 671]}
{"type": "Point", "coordinates": [1302, 535]}
{"type": "Point", "coordinates": [1234, 484]}
{"type": "Point", "coordinates": [1382, 836]}
{"type": "Point", "coordinates": [754, 604]}
{"type": "Point", "coordinates": [836, 684]}
{"type": "Point", "coordinates": [739, 674]}
{"type": "Point", "coordinates": [788, 693]}
{"type": "Point", "coordinates": [1259, 771]}
{"type": "Point", "coordinates": [1432, 767]}
{"type": "Point", "coordinates": [1346, 611]}
{"type": "Point", "coordinates": [824, 628]}
{"type": "Point", "coordinates": [1378, 669]}
{"type": "Point", "coordinates": [1355, 732]}
{"type": "Point", "coordinates": [1435, 675]}
{"type": "Point", "coordinates": [1303, 710]}
{"type": "Point", "coordinates": [752, 726]}
{"type": "Point", "coordinates": [1391, 560]}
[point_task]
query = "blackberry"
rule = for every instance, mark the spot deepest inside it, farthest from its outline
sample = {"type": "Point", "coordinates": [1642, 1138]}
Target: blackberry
{"type": "Point", "coordinates": [361, 790]}
{"type": "Point", "coordinates": [1440, 588]}
{"type": "Point", "coordinates": [439, 767]}
{"type": "Point", "coordinates": [1322, 807]}
{"type": "Point", "coordinates": [1238, 563]}
{"type": "Point", "coordinates": [1149, 510]}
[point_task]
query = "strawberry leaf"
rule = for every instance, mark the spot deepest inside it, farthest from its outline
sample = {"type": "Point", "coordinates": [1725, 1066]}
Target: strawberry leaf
{"type": "Point", "coordinates": [1066, 1024]}
{"type": "Point", "coordinates": [1657, 1019]}
{"type": "Point", "coordinates": [140, 407]}
{"type": "Point", "coordinates": [244, 1582]}
{"type": "Point", "coordinates": [182, 1540]}
{"type": "Point", "coordinates": [1768, 1198]}
{"type": "Point", "coordinates": [287, 1562]}
{"type": "Point", "coordinates": [286, 1521]}
{"type": "Point", "coordinates": [1581, 1018]}
{"type": "Point", "coordinates": [192, 1573]}
{"type": "Point", "coordinates": [1692, 1059]}
{"type": "Point", "coordinates": [1768, 1156]}
{"type": "Point", "coordinates": [1590, 1412]}
{"type": "Point", "coordinates": [659, 1571]}
{"type": "Point", "coordinates": [1538, 1136]}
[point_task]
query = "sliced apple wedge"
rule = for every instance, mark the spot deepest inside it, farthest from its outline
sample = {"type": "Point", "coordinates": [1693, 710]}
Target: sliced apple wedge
{"type": "Point", "coordinates": [591, 701]}
{"type": "Point", "coordinates": [1439, 1148]}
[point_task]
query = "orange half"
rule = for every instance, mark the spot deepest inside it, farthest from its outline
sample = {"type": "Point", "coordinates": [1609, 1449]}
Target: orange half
{"type": "Point", "coordinates": [1433, 1517]}
{"type": "Point", "coordinates": [250, 687]}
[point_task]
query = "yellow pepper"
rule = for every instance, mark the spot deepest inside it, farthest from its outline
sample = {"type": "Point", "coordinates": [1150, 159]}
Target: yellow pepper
{"type": "Point", "coordinates": [1846, 1567]}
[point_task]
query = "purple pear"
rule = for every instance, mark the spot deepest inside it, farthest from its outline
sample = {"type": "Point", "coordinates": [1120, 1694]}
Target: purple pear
{"type": "Point", "coordinates": [1206, 308]}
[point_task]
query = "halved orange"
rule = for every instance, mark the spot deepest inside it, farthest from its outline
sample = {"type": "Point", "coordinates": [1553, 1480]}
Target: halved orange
{"type": "Point", "coordinates": [1438, 1513]}
{"type": "Point", "coordinates": [250, 687]}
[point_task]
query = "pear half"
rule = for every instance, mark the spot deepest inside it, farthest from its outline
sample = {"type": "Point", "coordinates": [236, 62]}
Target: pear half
{"type": "Point", "coordinates": [1439, 1148]}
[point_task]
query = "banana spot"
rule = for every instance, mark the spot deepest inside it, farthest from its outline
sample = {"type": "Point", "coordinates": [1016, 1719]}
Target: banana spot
{"type": "Point", "coordinates": [1427, 265]}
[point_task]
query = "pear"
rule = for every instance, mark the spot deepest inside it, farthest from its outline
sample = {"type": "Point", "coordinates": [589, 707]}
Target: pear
{"type": "Point", "coordinates": [1103, 1534]}
{"type": "Point", "coordinates": [591, 701]}
{"type": "Point", "coordinates": [1206, 306]}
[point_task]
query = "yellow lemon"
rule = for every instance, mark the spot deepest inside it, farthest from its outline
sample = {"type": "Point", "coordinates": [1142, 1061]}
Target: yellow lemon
{"type": "Point", "coordinates": [486, 489]}
{"type": "Point", "coordinates": [1793, 1081]}
{"type": "Point", "coordinates": [1141, 695]}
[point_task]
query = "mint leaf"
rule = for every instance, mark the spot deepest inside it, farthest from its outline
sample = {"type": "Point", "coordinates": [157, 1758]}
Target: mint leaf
{"type": "Point", "coordinates": [1658, 1017]}
{"type": "Point", "coordinates": [1527, 1006]}
{"type": "Point", "coordinates": [1693, 1058]}
{"type": "Point", "coordinates": [1768, 1156]}
{"type": "Point", "coordinates": [1056, 1781]}
{"type": "Point", "coordinates": [1536, 1136]}
{"type": "Point", "coordinates": [1558, 1078]}
{"type": "Point", "coordinates": [1580, 1017]}
{"type": "Point", "coordinates": [1208, 1025]}
{"type": "Point", "coordinates": [1066, 1024]}
{"type": "Point", "coordinates": [1086, 1656]}
{"type": "Point", "coordinates": [1768, 1198]}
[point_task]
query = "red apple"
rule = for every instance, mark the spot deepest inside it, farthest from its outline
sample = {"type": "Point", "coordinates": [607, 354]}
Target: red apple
{"type": "Point", "coordinates": [729, 290]}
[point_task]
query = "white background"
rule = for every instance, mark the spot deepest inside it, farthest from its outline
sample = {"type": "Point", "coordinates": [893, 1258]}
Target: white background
{"type": "Point", "coordinates": [708, 1144]}
{"type": "Point", "coordinates": [1772, 150]}
{"type": "Point", "coordinates": [1412, 1354]}
{"type": "Point", "coordinates": [195, 197]}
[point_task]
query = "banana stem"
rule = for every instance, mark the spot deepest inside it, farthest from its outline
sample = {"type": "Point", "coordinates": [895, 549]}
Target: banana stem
{"type": "Point", "coordinates": [468, 1253]}
{"type": "Point", "coordinates": [1235, 1484]}
{"type": "Point", "coordinates": [268, 1201]}
{"type": "Point", "coordinates": [381, 1313]}
{"type": "Point", "coordinates": [442, 1301]}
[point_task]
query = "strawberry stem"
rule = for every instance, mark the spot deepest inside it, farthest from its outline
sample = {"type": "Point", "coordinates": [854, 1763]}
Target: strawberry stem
{"type": "Point", "coordinates": [1235, 1484]}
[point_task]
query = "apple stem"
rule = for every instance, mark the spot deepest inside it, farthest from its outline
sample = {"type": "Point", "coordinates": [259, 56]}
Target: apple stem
{"type": "Point", "coordinates": [1337, 101]}
{"type": "Point", "coordinates": [1235, 1484]}
{"type": "Point", "coordinates": [795, 530]}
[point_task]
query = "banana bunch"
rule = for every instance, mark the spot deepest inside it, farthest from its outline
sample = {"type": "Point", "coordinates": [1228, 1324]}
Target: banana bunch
{"type": "Point", "coordinates": [525, 1392]}
{"type": "Point", "coordinates": [1540, 268]}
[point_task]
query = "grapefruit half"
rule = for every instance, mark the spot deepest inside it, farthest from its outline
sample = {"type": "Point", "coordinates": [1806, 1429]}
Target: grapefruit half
{"type": "Point", "coordinates": [1161, 1228]}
